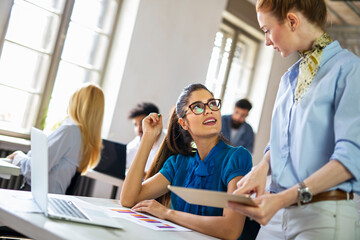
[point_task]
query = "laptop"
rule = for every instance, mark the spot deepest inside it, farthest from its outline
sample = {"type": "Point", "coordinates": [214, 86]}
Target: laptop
{"type": "Point", "coordinates": [113, 159]}
{"type": "Point", "coordinates": [62, 207]}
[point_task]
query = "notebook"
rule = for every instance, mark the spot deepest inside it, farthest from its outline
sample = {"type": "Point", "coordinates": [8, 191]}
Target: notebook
{"type": "Point", "coordinates": [210, 198]}
{"type": "Point", "coordinates": [86, 213]}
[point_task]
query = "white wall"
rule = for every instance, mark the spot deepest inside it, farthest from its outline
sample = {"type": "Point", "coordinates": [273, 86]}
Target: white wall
{"type": "Point", "coordinates": [279, 66]}
{"type": "Point", "coordinates": [169, 47]}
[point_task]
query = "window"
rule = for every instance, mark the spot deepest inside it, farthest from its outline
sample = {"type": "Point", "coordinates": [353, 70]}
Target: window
{"type": "Point", "coordinates": [231, 66]}
{"type": "Point", "coordinates": [50, 48]}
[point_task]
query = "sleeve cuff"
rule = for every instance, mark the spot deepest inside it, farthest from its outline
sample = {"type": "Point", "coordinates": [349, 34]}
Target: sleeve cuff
{"type": "Point", "coordinates": [267, 149]}
{"type": "Point", "coordinates": [347, 154]}
{"type": "Point", "coordinates": [18, 158]}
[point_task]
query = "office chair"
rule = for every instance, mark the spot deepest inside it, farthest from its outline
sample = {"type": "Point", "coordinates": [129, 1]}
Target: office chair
{"type": "Point", "coordinates": [71, 190]}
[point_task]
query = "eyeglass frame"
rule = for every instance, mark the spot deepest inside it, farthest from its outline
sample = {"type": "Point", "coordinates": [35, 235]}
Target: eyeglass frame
{"type": "Point", "coordinates": [204, 108]}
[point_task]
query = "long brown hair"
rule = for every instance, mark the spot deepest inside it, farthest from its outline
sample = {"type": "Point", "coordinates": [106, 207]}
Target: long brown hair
{"type": "Point", "coordinates": [86, 108]}
{"type": "Point", "coordinates": [314, 10]}
{"type": "Point", "coordinates": [177, 140]}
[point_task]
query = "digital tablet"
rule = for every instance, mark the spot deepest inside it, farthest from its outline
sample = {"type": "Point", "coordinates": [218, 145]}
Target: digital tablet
{"type": "Point", "coordinates": [210, 198]}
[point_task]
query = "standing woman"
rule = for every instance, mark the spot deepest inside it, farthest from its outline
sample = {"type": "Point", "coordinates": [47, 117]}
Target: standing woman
{"type": "Point", "coordinates": [75, 145]}
{"type": "Point", "coordinates": [314, 151]}
{"type": "Point", "coordinates": [213, 165]}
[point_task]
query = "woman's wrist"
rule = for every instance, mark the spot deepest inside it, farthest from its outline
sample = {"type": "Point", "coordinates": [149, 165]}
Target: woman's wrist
{"type": "Point", "coordinates": [264, 167]}
{"type": "Point", "coordinates": [288, 197]}
{"type": "Point", "coordinates": [150, 136]}
{"type": "Point", "coordinates": [169, 214]}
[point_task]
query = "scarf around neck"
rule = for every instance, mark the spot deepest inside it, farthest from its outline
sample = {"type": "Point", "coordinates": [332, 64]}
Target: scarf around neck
{"type": "Point", "coordinates": [309, 65]}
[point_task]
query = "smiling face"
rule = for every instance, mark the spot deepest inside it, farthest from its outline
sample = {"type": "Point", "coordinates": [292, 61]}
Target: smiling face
{"type": "Point", "coordinates": [206, 124]}
{"type": "Point", "coordinates": [277, 34]}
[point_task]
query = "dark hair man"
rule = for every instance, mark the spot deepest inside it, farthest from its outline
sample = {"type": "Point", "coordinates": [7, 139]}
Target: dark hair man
{"type": "Point", "coordinates": [235, 129]}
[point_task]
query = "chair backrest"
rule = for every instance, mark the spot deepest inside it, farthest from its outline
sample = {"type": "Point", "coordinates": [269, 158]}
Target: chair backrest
{"type": "Point", "coordinates": [73, 184]}
{"type": "Point", "coordinates": [113, 159]}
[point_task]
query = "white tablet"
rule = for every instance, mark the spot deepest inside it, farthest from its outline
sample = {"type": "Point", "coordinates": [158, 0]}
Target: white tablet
{"type": "Point", "coordinates": [210, 198]}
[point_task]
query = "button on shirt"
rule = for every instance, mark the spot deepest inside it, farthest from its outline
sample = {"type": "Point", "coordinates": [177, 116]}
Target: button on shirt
{"type": "Point", "coordinates": [324, 125]}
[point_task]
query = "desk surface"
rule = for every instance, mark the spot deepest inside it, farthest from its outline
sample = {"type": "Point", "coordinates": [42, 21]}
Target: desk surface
{"type": "Point", "coordinates": [37, 226]}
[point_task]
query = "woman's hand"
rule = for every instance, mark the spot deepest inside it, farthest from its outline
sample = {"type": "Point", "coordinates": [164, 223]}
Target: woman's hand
{"type": "Point", "coordinates": [255, 180]}
{"type": "Point", "coordinates": [152, 207]}
{"type": "Point", "coordinates": [11, 156]}
{"type": "Point", "coordinates": [268, 205]}
{"type": "Point", "coordinates": [152, 125]}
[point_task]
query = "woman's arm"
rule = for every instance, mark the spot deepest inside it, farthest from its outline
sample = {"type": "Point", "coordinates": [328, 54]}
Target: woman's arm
{"type": "Point", "coordinates": [255, 180]}
{"type": "Point", "coordinates": [228, 226]}
{"type": "Point", "coordinates": [331, 174]}
{"type": "Point", "coordinates": [134, 189]}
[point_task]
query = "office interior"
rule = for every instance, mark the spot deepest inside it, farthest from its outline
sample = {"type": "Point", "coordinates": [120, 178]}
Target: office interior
{"type": "Point", "coordinates": [148, 50]}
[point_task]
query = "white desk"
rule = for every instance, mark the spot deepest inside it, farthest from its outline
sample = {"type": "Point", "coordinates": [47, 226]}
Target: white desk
{"type": "Point", "coordinates": [37, 226]}
{"type": "Point", "coordinates": [115, 182]}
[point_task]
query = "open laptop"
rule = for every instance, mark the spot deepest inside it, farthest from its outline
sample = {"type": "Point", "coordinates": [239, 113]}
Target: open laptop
{"type": "Point", "coordinates": [70, 209]}
{"type": "Point", "coordinates": [113, 159]}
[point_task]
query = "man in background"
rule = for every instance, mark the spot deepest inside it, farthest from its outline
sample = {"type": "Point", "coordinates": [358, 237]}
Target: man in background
{"type": "Point", "coordinates": [136, 115]}
{"type": "Point", "coordinates": [235, 129]}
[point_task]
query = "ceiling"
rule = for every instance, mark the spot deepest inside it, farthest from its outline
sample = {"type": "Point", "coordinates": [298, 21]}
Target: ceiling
{"type": "Point", "coordinates": [343, 13]}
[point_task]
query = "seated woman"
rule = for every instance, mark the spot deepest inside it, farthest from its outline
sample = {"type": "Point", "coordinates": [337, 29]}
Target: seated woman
{"type": "Point", "coordinates": [75, 145]}
{"type": "Point", "coordinates": [213, 165]}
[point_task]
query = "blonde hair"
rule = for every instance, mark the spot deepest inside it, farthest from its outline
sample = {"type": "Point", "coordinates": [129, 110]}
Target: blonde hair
{"type": "Point", "coordinates": [86, 108]}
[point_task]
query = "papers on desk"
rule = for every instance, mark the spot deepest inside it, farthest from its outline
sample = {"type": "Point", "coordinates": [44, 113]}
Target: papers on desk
{"type": "Point", "coordinates": [146, 220]}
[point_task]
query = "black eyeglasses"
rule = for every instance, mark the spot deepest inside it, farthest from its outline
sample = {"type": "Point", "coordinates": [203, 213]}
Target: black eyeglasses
{"type": "Point", "coordinates": [199, 107]}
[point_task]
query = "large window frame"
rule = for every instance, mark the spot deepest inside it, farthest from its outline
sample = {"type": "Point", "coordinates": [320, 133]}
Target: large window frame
{"type": "Point", "coordinates": [38, 110]}
{"type": "Point", "coordinates": [231, 68]}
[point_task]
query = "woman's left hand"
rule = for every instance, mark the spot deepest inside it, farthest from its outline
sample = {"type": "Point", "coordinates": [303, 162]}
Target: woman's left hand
{"type": "Point", "coordinates": [153, 207]}
{"type": "Point", "coordinates": [268, 205]}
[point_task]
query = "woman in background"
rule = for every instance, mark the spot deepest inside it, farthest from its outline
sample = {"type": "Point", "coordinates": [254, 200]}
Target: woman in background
{"type": "Point", "coordinates": [213, 165]}
{"type": "Point", "coordinates": [73, 147]}
{"type": "Point", "coordinates": [314, 151]}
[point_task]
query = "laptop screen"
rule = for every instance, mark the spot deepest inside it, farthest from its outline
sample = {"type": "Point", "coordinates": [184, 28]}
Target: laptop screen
{"type": "Point", "coordinates": [39, 168]}
{"type": "Point", "coordinates": [113, 159]}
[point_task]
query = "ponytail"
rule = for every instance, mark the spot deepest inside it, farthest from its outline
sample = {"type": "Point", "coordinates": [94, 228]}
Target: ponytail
{"type": "Point", "coordinates": [176, 141]}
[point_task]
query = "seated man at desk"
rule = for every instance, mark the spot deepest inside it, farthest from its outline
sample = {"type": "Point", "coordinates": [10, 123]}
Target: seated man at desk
{"type": "Point", "coordinates": [235, 129]}
{"type": "Point", "coordinates": [137, 114]}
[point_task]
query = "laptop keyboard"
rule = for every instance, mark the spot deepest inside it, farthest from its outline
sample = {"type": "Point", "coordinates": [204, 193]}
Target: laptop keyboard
{"type": "Point", "coordinates": [65, 208]}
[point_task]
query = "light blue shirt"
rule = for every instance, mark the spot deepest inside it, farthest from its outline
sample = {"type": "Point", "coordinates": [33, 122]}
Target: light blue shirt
{"type": "Point", "coordinates": [64, 156]}
{"type": "Point", "coordinates": [324, 125]}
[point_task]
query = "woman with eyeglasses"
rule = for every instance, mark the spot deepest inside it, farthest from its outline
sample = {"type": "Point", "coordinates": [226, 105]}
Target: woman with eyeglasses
{"type": "Point", "coordinates": [212, 165]}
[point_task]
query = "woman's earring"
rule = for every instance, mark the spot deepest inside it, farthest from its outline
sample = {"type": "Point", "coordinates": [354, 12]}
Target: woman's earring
{"type": "Point", "coordinates": [293, 29]}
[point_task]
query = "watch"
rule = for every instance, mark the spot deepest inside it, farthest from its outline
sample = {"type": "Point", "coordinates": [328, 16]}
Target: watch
{"type": "Point", "coordinates": [304, 193]}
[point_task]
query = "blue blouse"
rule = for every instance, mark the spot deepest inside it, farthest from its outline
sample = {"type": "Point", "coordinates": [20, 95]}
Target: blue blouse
{"type": "Point", "coordinates": [222, 164]}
